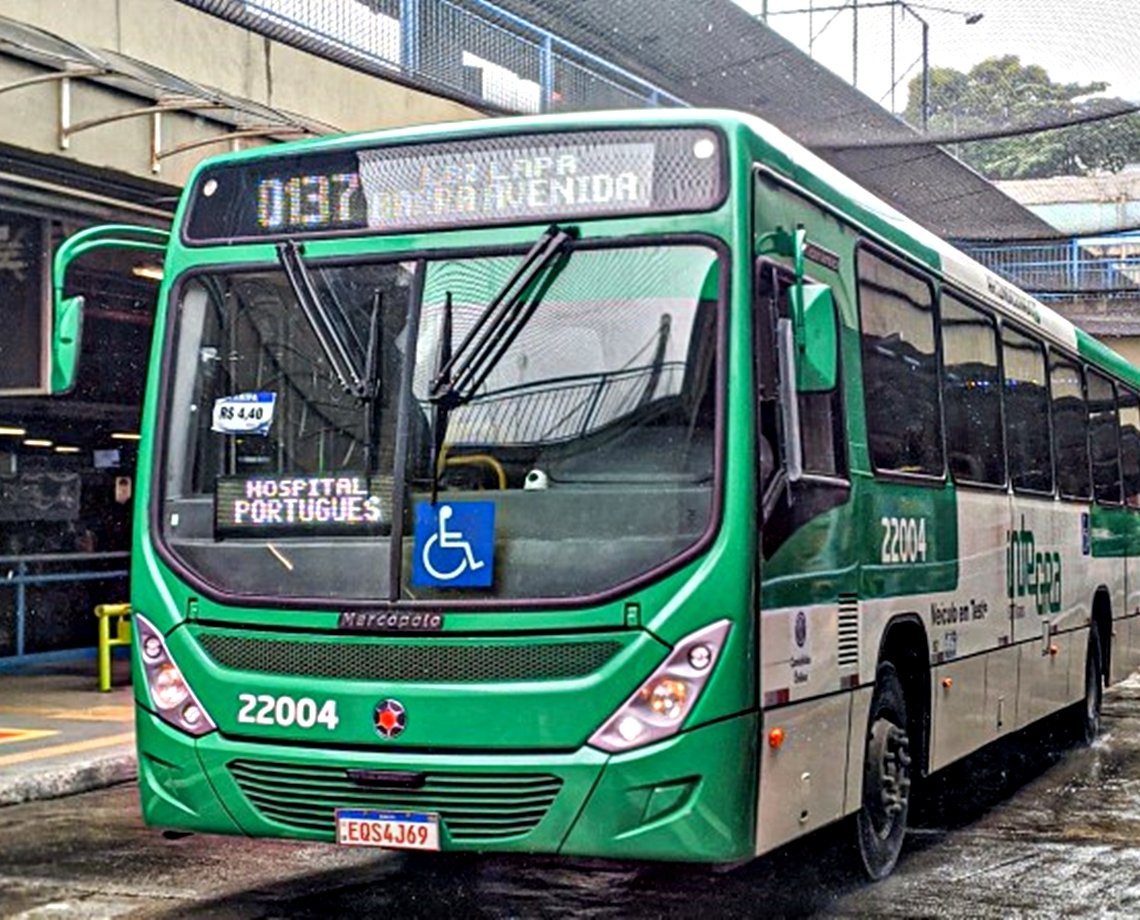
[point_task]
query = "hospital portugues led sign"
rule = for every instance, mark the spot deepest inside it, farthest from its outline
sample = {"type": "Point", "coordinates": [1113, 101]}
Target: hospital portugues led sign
{"type": "Point", "coordinates": [513, 179]}
{"type": "Point", "coordinates": [341, 504]}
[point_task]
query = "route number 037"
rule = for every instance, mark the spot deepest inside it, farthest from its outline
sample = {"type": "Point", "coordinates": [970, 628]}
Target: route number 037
{"type": "Point", "coordinates": [904, 539]}
{"type": "Point", "coordinates": [284, 711]}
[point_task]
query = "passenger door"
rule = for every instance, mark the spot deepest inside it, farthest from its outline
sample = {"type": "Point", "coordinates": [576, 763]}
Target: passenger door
{"type": "Point", "coordinates": [1033, 544]}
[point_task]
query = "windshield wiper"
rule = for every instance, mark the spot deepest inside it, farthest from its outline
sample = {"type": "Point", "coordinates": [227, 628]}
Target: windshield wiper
{"type": "Point", "coordinates": [370, 397]}
{"type": "Point", "coordinates": [440, 410]}
{"type": "Point", "coordinates": [321, 322]}
{"type": "Point", "coordinates": [509, 311]}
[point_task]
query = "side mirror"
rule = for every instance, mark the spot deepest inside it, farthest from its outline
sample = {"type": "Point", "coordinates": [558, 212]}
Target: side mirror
{"type": "Point", "coordinates": [66, 335]}
{"type": "Point", "coordinates": [816, 343]}
{"type": "Point", "coordinates": [67, 314]}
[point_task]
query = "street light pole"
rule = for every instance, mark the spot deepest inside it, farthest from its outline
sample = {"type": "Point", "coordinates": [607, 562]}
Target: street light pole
{"type": "Point", "coordinates": [925, 69]}
{"type": "Point", "coordinates": [855, 7]}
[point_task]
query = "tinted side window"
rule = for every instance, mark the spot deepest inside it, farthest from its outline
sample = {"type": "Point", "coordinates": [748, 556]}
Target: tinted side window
{"type": "Point", "coordinates": [1102, 439]}
{"type": "Point", "coordinates": [1070, 429]}
{"type": "Point", "coordinates": [900, 379]}
{"type": "Point", "coordinates": [1026, 397]}
{"type": "Point", "coordinates": [971, 394]}
{"type": "Point", "coordinates": [1130, 445]}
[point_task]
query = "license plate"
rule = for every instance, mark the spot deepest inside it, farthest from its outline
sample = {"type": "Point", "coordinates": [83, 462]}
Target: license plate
{"type": "Point", "coordinates": [400, 830]}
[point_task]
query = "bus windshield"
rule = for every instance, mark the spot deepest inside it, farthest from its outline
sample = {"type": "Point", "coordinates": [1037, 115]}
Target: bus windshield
{"type": "Point", "coordinates": [591, 431]}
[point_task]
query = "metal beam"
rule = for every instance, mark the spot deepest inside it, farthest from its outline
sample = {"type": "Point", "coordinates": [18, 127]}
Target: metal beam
{"type": "Point", "coordinates": [180, 105]}
{"type": "Point", "coordinates": [267, 131]}
{"type": "Point", "coordinates": [54, 76]}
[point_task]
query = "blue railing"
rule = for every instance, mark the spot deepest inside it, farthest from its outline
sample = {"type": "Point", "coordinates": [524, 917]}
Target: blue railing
{"type": "Point", "coordinates": [1104, 266]}
{"type": "Point", "coordinates": [23, 572]}
{"type": "Point", "coordinates": [471, 49]}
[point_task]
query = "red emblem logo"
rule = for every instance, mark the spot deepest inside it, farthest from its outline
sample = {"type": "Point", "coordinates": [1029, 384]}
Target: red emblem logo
{"type": "Point", "coordinates": [390, 718]}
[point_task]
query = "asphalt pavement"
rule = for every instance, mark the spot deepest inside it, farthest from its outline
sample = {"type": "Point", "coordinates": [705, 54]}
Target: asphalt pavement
{"type": "Point", "coordinates": [59, 734]}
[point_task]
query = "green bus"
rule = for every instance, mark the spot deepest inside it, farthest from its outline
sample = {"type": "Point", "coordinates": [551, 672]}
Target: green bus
{"type": "Point", "coordinates": [627, 485]}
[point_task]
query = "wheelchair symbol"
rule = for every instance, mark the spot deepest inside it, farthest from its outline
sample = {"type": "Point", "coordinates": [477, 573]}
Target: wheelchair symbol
{"type": "Point", "coordinates": [444, 539]}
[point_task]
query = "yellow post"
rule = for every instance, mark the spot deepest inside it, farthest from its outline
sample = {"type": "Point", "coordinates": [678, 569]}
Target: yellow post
{"type": "Point", "coordinates": [121, 614]}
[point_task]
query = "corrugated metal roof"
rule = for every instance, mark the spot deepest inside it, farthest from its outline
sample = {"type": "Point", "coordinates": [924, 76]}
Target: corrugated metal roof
{"type": "Point", "coordinates": [713, 53]}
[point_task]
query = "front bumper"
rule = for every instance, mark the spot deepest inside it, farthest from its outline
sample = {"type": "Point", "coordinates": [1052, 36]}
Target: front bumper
{"type": "Point", "coordinates": [691, 797]}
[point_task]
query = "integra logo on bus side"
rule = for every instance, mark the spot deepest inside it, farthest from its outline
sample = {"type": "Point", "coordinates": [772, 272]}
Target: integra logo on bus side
{"type": "Point", "coordinates": [1030, 574]}
{"type": "Point", "coordinates": [382, 621]}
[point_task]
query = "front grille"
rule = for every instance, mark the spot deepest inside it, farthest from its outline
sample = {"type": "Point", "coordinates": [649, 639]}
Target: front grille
{"type": "Point", "coordinates": [469, 662]}
{"type": "Point", "coordinates": [474, 807]}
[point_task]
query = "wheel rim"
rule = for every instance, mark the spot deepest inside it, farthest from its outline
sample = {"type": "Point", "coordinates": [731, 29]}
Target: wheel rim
{"type": "Point", "coordinates": [887, 790]}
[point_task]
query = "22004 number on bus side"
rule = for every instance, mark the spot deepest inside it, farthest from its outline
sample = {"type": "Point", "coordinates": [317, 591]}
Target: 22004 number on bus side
{"type": "Point", "coordinates": [904, 539]}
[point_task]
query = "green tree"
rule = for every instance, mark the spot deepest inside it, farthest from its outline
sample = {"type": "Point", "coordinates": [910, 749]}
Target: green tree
{"type": "Point", "coordinates": [1002, 94]}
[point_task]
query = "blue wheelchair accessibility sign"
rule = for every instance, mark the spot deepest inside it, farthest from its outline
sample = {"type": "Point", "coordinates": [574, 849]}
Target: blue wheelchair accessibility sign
{"type": "Point", "coordinates": [454, 545]}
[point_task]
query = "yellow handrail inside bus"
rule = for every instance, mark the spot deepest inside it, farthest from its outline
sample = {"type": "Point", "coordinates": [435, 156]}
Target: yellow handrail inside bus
{"type": "Point", "coordinates": [475, 460]}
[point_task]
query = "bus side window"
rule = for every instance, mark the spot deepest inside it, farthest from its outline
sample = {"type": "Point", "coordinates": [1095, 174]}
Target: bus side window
{"type": "Point", "coordinates": [1026, 399]}
{"type": "Point", "coordinates": [1103, 434]}
{"type": "Point", "coordinates": [1070, 429]}
{"type": "Point", "coordinates": [970, 394]}
{"type": "Point", "coordinates": [1130, 445]}
{"type": "Point", "coordinates": [900, 368]}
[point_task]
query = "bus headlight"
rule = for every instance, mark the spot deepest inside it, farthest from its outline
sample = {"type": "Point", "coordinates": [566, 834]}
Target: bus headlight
{"type": "Point", "coordinates": [170, 696]}
{"type": "Point", "coordinates": [657, 709]}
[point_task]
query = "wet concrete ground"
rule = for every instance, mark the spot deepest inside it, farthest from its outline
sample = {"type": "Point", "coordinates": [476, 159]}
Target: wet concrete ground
{"type": "Point", "coordinates": [1031, 829]}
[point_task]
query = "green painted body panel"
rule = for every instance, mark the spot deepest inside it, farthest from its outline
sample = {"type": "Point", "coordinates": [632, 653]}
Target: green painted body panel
{"type": "Point", "coordinates": [841, 551]}
{"type": "Point", "coordinates": [551, 714]}
{"type": "Point", "coordinates": [1099, 353]}
{"type": "Point", "coordinates": [688, 798]}
{"type": "Point", "coordinates": [1113, 532]}
{"type": "Point", "coordinates": [681, 799]}
{"type": "Point", "coordinates": [174, 790]}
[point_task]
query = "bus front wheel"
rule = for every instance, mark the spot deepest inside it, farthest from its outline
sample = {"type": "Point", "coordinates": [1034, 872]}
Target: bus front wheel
{"type": "Point", "coordinates": [881, 821]}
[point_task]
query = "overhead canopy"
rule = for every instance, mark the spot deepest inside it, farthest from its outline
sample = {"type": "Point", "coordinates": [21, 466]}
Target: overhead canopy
{"type": "Point", "coordinates": [141, 90]}
{"type": "Point", "coordinates": [714, 53]}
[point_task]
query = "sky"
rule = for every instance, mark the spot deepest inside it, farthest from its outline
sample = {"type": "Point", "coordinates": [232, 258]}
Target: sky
{"type": "Point", "coordinates": [1076, 41]}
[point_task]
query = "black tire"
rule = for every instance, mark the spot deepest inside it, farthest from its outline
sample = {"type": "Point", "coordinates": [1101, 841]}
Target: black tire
{"type": "Point", "coordinates": [1088, 711]}
{"type": "Point", "coordinates": [880, 824]}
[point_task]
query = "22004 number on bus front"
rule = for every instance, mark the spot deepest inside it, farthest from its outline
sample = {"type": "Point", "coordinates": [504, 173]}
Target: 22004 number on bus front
{"type": "Point", "coordinates": [904, 539]}
{"type": "Point", "coordinates": [284, 711]}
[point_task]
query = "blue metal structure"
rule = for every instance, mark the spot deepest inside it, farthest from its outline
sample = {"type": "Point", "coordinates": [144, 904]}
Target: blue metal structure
{"type": "Point", "coordinates": [1105, 266]}
{"type": "Point", "coordinates": [21, 573]}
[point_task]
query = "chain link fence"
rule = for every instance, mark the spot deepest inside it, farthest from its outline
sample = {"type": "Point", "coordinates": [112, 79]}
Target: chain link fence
{"type": "Point", "coordinates": [468, 50]}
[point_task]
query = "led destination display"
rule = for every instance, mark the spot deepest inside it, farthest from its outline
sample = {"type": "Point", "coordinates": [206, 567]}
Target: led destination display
{"type": "Point", "coordinates": [489, 185]}
{"type": "Point", "coordinates": [478, 181]}
{"type": "Point", "coordinates": [281, 505]}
